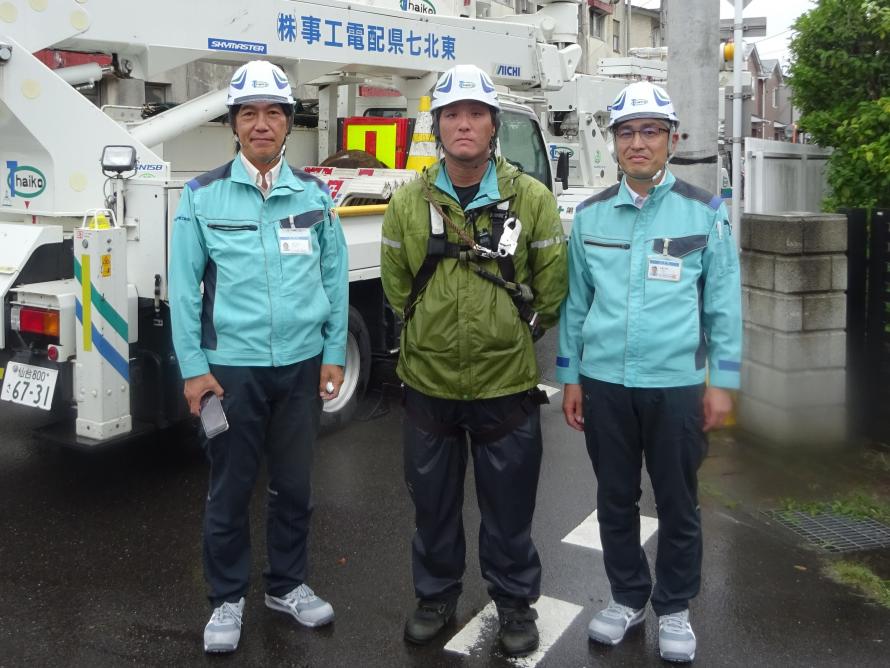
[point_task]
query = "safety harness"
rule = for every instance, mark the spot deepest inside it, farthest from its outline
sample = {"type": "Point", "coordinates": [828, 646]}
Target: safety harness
{"type": "Point", "coordinates": [500, 245]}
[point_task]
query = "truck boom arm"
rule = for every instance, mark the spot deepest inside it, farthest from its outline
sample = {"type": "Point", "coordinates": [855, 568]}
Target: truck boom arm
{"type": "Point", "coordinates": [315, 41]}
{"type": "Point", "coordinates": [341, 36]}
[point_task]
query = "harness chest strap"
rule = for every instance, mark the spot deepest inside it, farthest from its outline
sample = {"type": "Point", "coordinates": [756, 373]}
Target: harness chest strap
{"type": "Point", "coordinates": [438, 247]}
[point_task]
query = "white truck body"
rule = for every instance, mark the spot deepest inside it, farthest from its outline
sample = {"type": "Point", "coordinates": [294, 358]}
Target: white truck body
{"type": "Point", "coordinates": [50, 175]}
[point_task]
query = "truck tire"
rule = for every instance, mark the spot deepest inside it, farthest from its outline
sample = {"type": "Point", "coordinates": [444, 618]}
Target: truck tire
{"type": "Point", "coordinates": [339, 411]}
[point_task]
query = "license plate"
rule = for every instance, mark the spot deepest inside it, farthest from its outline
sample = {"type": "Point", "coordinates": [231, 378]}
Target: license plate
{"type": "Point", "coordinates": [29, 385]}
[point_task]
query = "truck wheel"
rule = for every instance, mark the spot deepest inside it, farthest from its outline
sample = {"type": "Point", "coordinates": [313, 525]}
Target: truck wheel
{"type": "Point", "coordinates": [339, 411]}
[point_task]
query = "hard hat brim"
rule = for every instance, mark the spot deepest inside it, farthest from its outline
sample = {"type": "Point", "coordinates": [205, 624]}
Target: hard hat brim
{"type": "Point", "coordinates": [645, 114]}
{"type": "Point", "coordinates": [270, 99]}
{"type": "Point", "coordinates": [442, 105]}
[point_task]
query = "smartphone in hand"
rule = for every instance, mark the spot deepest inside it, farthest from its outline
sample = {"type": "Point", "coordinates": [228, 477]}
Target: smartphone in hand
{"type": "Point", "coordinates": [213, 418]}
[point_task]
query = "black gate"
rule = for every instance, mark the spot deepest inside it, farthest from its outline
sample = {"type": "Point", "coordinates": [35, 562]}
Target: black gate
{"type": "Point", "coordinates": [868, 323]}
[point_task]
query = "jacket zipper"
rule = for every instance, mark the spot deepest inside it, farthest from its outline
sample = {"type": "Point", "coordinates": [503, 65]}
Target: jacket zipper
{"type": "Point", "coordinates": [600, 244]}
{"type": "Point", "coordinates": [232, 228]}
{"type": "Point", "coordinates": [268, 282]}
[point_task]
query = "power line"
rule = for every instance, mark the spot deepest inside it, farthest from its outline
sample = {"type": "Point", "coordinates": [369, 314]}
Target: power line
{"type": "Point", "coordinates": [763, 39]}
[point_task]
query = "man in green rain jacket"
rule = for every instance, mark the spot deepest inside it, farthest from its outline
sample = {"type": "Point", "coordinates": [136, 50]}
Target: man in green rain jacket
{"type": "Point", "coordinates": [474, 258]}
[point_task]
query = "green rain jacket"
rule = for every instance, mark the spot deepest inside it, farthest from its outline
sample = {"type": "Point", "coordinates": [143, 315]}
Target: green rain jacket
{"type": "Point", "coordinates": [465, 339]}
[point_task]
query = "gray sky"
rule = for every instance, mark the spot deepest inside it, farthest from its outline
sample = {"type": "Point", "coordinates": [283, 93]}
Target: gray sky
{"type": "Point", "coordinates": [780, 14]}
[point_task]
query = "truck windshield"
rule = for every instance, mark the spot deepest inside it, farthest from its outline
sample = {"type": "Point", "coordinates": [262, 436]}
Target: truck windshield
{"type": "Point", "coordinates": [522, 144]}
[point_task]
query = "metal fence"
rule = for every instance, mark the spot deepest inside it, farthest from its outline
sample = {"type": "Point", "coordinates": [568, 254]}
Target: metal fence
{"type": "Point", "coordinates": [780, 176]}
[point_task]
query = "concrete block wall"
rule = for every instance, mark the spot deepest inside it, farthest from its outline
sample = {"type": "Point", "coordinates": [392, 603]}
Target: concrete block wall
{"type": "Point", "coordinates": [794, 277]}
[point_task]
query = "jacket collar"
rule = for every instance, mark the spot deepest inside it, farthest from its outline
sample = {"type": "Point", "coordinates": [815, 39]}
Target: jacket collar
{"type": "Point", "coordinates": [625, 198]}
{"type": "Point", "coordinates": [496, 185]}
{"type": "Point", "coordinates": [286, 179]}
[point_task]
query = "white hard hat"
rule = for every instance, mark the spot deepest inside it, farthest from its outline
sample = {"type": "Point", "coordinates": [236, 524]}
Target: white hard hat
{"type": "Point", "coordinates": [642, 99]}
{"type": "Point", "coordinates": [259, 81]}
{"type": "Point", "coordinates": [464, 82]}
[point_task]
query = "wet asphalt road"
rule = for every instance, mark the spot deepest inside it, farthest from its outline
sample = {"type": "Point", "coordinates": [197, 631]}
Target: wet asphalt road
{"type": "Point", "coordinates": [100, 564]}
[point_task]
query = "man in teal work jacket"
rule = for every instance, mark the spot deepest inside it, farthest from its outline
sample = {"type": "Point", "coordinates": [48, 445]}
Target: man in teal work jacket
{"type": "Point", "coordinates": [266, 334]}
{"type": "Point", "coordinates": [653, 306]}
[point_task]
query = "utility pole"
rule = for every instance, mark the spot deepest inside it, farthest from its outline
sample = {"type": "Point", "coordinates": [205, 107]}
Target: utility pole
{"type": "Point", "coordinates": [738, 56]}
{"type": "Point", "coordinates": [693, 39]}
{"type": "Point", "coordinates": [628, 16]}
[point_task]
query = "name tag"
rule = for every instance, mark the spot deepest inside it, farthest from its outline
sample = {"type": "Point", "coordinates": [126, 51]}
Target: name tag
{"type": "Point", "coordinates": [295, 242]}
{"type": "Point", "coordinates": [664, 268]}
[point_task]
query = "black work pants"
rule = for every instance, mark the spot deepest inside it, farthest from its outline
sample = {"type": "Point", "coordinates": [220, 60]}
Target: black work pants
{"type": "Point", "coordinates": [273, 411]}
{"type": "Point", "coordinates": [506, 473]}
{"type": "Point", "coordinates": [621, 425]}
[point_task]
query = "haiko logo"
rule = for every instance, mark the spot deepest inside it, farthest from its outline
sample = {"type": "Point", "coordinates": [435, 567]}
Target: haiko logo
{"type": "Point", "coordinates": [419, 6]}
{"type": "Point", "coordinates": [555, 151]}
{"type": "Point", "coordinates": [24, 180]}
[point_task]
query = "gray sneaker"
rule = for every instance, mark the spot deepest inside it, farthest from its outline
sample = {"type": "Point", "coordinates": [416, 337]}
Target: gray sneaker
{"type": "Point", "coordinates": [609, 625]}
{"type": "Point", "coordinates": [676, 641]}
{"type": "Point", "coordinates": [304, 606]}
{"type": "Point", "coordinates": [223, 631]}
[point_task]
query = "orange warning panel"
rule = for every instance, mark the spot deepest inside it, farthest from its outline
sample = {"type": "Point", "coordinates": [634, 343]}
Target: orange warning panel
{"type": "Point", "coordinates": [384, 138]}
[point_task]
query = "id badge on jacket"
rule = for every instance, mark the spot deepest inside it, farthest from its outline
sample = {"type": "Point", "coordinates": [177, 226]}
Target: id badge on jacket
{"type": "Point", "coordinates": [294, 241]}
{"type": "Point", "coordinates": [664, 268]}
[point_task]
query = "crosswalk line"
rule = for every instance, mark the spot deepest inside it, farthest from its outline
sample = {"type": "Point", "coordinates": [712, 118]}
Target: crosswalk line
{"type": "Point", "coordinates": [480, 633]}
{"type": "Point", "coordinates": [587, 534]}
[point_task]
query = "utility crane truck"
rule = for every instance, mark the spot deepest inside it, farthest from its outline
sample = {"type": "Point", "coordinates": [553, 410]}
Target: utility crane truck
{"type": "Point", "coordinates": [87, 195]}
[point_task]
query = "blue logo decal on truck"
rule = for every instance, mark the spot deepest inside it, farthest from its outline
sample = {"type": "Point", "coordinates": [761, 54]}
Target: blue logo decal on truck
{"type": "Point", "coordinates": [24, 180]}
{"type": "Point", "coordinates": [421, 7]}
{"type": "Point", "coordinates": [218, 44]}
{"type": "Point", "coordinates": [512, 71]}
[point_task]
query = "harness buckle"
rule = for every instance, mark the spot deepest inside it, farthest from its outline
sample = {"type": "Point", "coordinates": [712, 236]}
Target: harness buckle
{"type": "Point", "coordinates": [487, 253]}
{"type": "Point", "coordinates": [525, 293]}
{"type": "Point", "coordinates": [436, 245]}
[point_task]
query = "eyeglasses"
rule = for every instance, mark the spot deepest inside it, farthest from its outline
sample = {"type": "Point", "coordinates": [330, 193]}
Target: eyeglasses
{"type": "Point", "coordinates": [648, 134]}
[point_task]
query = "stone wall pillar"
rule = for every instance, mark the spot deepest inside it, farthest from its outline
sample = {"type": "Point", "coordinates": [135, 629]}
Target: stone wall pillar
{"type": "Point", "coordinates": [794, 278]}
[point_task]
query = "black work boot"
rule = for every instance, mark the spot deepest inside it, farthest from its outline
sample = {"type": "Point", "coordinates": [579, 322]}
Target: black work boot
{"type": "Point", "coordinates": [428, 619]}
{"type": "Point", "coordinates": [518, 633]}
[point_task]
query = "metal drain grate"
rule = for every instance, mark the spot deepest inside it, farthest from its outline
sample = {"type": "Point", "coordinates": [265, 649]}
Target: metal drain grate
{"type": "Point", "coordinates": [834, 533]}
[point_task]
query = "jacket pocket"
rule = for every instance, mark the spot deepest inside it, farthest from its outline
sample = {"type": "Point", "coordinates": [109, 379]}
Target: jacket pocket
{"type": "Point", "coordinates": [607, 244]}
{"type": "Point", "coordinates": [680, 246]}
{"type": "Point", "coordinates": [232, 244]}
{"type": "Point", "coordinates": [232, 228]}
{"type": "Point", "coordinates": [607, 259]}
{"type": "Point", "coordinates": [302, 220]}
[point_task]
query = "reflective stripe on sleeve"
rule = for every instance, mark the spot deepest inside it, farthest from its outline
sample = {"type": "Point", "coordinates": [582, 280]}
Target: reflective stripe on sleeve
{"type": "Point", "coordinates": [543, 243]}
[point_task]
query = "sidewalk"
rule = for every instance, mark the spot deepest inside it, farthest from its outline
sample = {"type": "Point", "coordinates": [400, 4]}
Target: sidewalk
{"type": "Point", "coordinates": [747, 479]}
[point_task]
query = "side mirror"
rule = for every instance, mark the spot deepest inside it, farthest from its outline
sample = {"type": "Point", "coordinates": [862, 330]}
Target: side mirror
{"type": "Point", "coordinates": [562, 170]}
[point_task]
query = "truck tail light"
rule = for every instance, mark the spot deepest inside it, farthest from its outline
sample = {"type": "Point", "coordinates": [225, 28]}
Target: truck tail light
{"type": "Point", "coordinates": [34, 320]}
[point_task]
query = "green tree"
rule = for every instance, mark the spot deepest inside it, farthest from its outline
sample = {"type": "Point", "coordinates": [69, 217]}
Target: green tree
{"type": "Point", "coordinates": [840, 77]}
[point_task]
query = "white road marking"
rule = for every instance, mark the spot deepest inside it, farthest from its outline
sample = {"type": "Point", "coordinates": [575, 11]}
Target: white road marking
{"type": "Point", "coordinates": [587, 534]}
{"type": "Point", "coordinates": [480, 634]}
{"type": "Point", "coordinates": [549, 390]}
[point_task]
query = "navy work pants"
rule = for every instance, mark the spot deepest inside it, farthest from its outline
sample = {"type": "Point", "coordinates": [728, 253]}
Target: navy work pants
{"type": "Point", "coordinates": [506, 473]}
{"type": "Point", "coordinates": [621, 426]}
{"type": "Point", "coordinates": [273, 411]}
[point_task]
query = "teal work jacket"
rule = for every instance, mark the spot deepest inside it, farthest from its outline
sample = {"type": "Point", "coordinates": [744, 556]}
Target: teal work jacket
{"type": "Point", "coordinates": [654, 293]}
{"type": "Point", "coordinates": [274, 272]}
